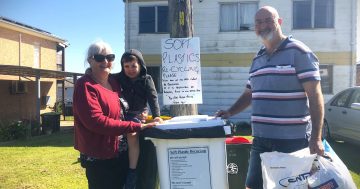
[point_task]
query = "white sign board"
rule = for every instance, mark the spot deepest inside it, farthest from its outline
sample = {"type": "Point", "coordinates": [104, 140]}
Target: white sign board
{"type": "Point", "coordinates": [189, 168]}
{"type": "Point", "coordinates": [181, 71]}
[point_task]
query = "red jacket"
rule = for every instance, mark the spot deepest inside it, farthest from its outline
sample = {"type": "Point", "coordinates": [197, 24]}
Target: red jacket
{"type": "Point", "coordinates": [97, 118]}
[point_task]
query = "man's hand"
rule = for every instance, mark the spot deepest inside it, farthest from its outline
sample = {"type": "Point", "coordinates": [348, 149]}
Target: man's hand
{"type": "Point", "coordinates": [149, 125]}
{"type": "Point", "coordinates": [316, 146]}
{"type": "Point", "coordinates": [243, 102]}
{"type": "Point", "coordinates": [224, 114]}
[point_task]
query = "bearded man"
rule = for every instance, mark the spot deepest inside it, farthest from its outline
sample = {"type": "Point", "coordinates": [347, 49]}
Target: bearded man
{"type": "Point", "coordinates": [285, 93]}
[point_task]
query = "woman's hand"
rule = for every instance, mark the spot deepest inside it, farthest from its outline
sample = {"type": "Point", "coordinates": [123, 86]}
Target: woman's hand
{"type": "Point", "coordinates": [158, 119]}
{"type": "Point", "coordinates": [148, 125]}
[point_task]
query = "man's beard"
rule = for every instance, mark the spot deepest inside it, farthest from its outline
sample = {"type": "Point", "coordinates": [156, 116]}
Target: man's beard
{"type": "Point", "coordinates": [267, 35]}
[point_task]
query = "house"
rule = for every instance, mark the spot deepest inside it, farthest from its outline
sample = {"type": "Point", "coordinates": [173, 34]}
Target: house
{"type": "Point", "coordinates": [331, 28]}
{"type": "Point", "coordinates": [32, 61]}
{"type": "Point", "coordinates": [68, 93]}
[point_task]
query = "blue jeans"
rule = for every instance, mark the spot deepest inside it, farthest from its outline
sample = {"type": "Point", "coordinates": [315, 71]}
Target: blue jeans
{"type": "Point", "coordinates": [254, 177]}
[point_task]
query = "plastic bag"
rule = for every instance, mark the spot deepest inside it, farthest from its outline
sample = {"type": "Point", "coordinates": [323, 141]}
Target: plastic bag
{"type": "Point", "coordinates": [286, 170]}
{"type": "Point", "coordinates": [330, 172]}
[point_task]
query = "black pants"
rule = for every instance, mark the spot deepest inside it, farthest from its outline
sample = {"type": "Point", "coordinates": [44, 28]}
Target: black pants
{"type": "Point", "coordinates": [147, 171]}
{"type": "Point", "coordinates": [106, 174]}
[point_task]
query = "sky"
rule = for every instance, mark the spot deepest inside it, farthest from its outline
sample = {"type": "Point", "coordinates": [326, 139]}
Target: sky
{"type": "Point", "coordinates": [80, 22]}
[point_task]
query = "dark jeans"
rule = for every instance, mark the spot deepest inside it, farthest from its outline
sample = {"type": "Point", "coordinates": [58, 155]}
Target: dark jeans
{"type": "Point", "coordinates": [109, 174]}
{"type": "Point", "coordinates": [147, 171]}
{"type": "Point", "coordinates": [254, 175]}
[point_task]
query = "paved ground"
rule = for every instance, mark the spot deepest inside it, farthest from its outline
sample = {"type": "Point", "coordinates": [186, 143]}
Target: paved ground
{"type": "Point", "coordinates": [66, 125]}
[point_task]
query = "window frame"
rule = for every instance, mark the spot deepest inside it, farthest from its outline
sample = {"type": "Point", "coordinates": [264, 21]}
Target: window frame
{"type": "Point", "coordinates": [238, 5]}
{"type": "Point", "coordinates": [312, 27]}
{"type": "Point", "coordinates": [156, 19]}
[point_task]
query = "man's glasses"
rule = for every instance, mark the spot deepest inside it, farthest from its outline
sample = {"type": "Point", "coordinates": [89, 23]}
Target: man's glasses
{"type": "Point", "coordinates": [101, 58]}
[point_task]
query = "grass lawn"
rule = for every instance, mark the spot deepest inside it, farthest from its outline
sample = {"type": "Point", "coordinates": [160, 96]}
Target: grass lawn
{"type": "Point", "coordinates": [41, 162]}
{"type": "Point", "coordinates": [51, 162]}
{"type": "Point", "coordinates": [349, 154]}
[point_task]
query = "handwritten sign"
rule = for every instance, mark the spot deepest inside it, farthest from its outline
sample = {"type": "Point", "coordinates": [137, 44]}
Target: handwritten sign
{"type": "Point", "coordinates": [181, 71]}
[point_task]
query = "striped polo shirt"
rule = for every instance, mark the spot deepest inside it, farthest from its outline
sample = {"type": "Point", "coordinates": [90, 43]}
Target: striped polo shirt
{"type": "Point", "coordinates": [280, 108]}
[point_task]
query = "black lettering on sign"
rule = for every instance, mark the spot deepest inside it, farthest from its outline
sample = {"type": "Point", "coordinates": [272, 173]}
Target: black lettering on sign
{"type": "Point", "coordinates": [174, 43]}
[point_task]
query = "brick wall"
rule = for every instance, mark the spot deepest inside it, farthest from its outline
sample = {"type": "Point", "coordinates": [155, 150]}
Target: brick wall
{"type": "Point", "coordinates": [9, 40]}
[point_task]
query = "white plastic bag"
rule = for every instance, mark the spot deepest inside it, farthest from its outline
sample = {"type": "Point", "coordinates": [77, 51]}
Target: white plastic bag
{"type": "Point", "coordinates": [330, 172]}
{"type": "Point", "coordinates": [286, 170]}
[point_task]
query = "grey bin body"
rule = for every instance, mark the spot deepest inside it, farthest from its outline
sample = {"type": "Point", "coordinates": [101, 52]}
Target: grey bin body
{"type": "Point", "coordinates": [237, 163]}
{"type": "Point", "coordinates": [50, 122]}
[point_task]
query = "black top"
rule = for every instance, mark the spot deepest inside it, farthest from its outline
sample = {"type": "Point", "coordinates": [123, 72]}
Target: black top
{"type": "Point", "coordinates": [140, 91]}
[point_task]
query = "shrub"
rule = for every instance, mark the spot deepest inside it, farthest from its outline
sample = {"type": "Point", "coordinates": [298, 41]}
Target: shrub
{"type": "Point", "coordinates": [18, 129]}
{"type": "Point", "coordinates": [13, 130]}
{"type": "Point", "coordinates": [58, 106]}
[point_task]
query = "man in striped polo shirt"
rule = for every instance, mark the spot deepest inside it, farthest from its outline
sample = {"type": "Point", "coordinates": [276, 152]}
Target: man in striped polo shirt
{"type": "Point", "coordinates": [285, 94]}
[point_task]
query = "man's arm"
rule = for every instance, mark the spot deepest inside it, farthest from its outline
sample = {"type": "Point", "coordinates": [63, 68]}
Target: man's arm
{"type": "Point", "coordinates": [316, 103]}
{"type": "Point", "coordinates": [243, 102]}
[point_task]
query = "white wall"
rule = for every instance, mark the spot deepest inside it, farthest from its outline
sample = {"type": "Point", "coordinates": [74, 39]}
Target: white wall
{"type": "Point", "coordinates": [222, 86]}
{"type": "Point", "coordinates": [206, 26]}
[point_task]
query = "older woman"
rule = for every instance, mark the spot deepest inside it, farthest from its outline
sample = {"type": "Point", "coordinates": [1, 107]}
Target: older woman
{"type": "Point", "coordinates": [98, 121]}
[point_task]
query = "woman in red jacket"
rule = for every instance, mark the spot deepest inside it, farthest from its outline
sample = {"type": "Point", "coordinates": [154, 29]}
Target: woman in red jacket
{"type": "Point", "coordinates": [98, 121]}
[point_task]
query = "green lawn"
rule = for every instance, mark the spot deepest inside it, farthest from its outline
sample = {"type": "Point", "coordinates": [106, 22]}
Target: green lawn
{"type": "Point", "coordinates": [51, 162]}
{"type": "Point", "coordinates": [349, 154]}
{"type": "Point", "coordinates": [41, 162]}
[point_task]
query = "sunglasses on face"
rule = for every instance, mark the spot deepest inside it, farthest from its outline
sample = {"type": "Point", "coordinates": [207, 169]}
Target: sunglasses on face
{"type": "Point", "coordinates": [101, 58]}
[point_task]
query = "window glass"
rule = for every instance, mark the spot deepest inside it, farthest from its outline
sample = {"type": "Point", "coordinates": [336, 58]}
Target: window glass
{"type": "Point", "coordinates": [355, 97]}
{"type": "Point", "coordinates": [247, 13]}
{"type": "Point", "coordinates": [324, 13]}
{"type": "Point", "coordinates": [228, 17]}
{"type": "Point", "coordinates": [313, 14]}
{"type": "Point", "coordinates": [162, 19]}
{"type": "Point", "coordinates": [302, 14]}
{"type": "Point", "coordinates": [237, 16]}
{"type": "Point", "coordinates": [146, 19]}
{"type": "Point", "coordinates": [341, 99]}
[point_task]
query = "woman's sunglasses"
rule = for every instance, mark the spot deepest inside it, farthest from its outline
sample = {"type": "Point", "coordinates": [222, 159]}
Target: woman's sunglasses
{"type": "Point", "coordinates": [101, 58]}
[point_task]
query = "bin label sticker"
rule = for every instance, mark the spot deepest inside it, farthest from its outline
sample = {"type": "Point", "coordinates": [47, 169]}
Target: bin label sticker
{"type": "Point", "coordinates": [189, 168]}
{"type": "Point", "coordinates": [232, 168]}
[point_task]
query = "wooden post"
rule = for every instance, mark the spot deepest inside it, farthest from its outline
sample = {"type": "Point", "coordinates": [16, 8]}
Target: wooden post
{"type": "Point", "coordinates": [181, 26]}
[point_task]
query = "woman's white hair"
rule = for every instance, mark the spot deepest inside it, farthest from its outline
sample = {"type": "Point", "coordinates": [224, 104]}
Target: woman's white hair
{"type": "Point", "coordinates": [96, 48]}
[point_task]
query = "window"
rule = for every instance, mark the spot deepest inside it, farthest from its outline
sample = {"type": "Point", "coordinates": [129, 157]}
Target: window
{"type": "Point", "coordinates": [341, 100]}
{"type": "Point", "coordinates": [313, 14]}
{"type": "Point", "coordinates": [237, 16]}
{"type": "Point", "coordinates": [355, 97]}
{"type": "Point", "coordinates": [36, 55]}
{"type": "Point", "coordinates": [153, 19]}
{"type": "Point", "coordinates": [154, 71]}
{"type": "Point", "coordinates": [326, 74]}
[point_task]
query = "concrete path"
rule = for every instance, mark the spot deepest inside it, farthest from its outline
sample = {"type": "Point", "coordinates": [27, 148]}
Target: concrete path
{"type": "Point", "coordinates": [66, 125]}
